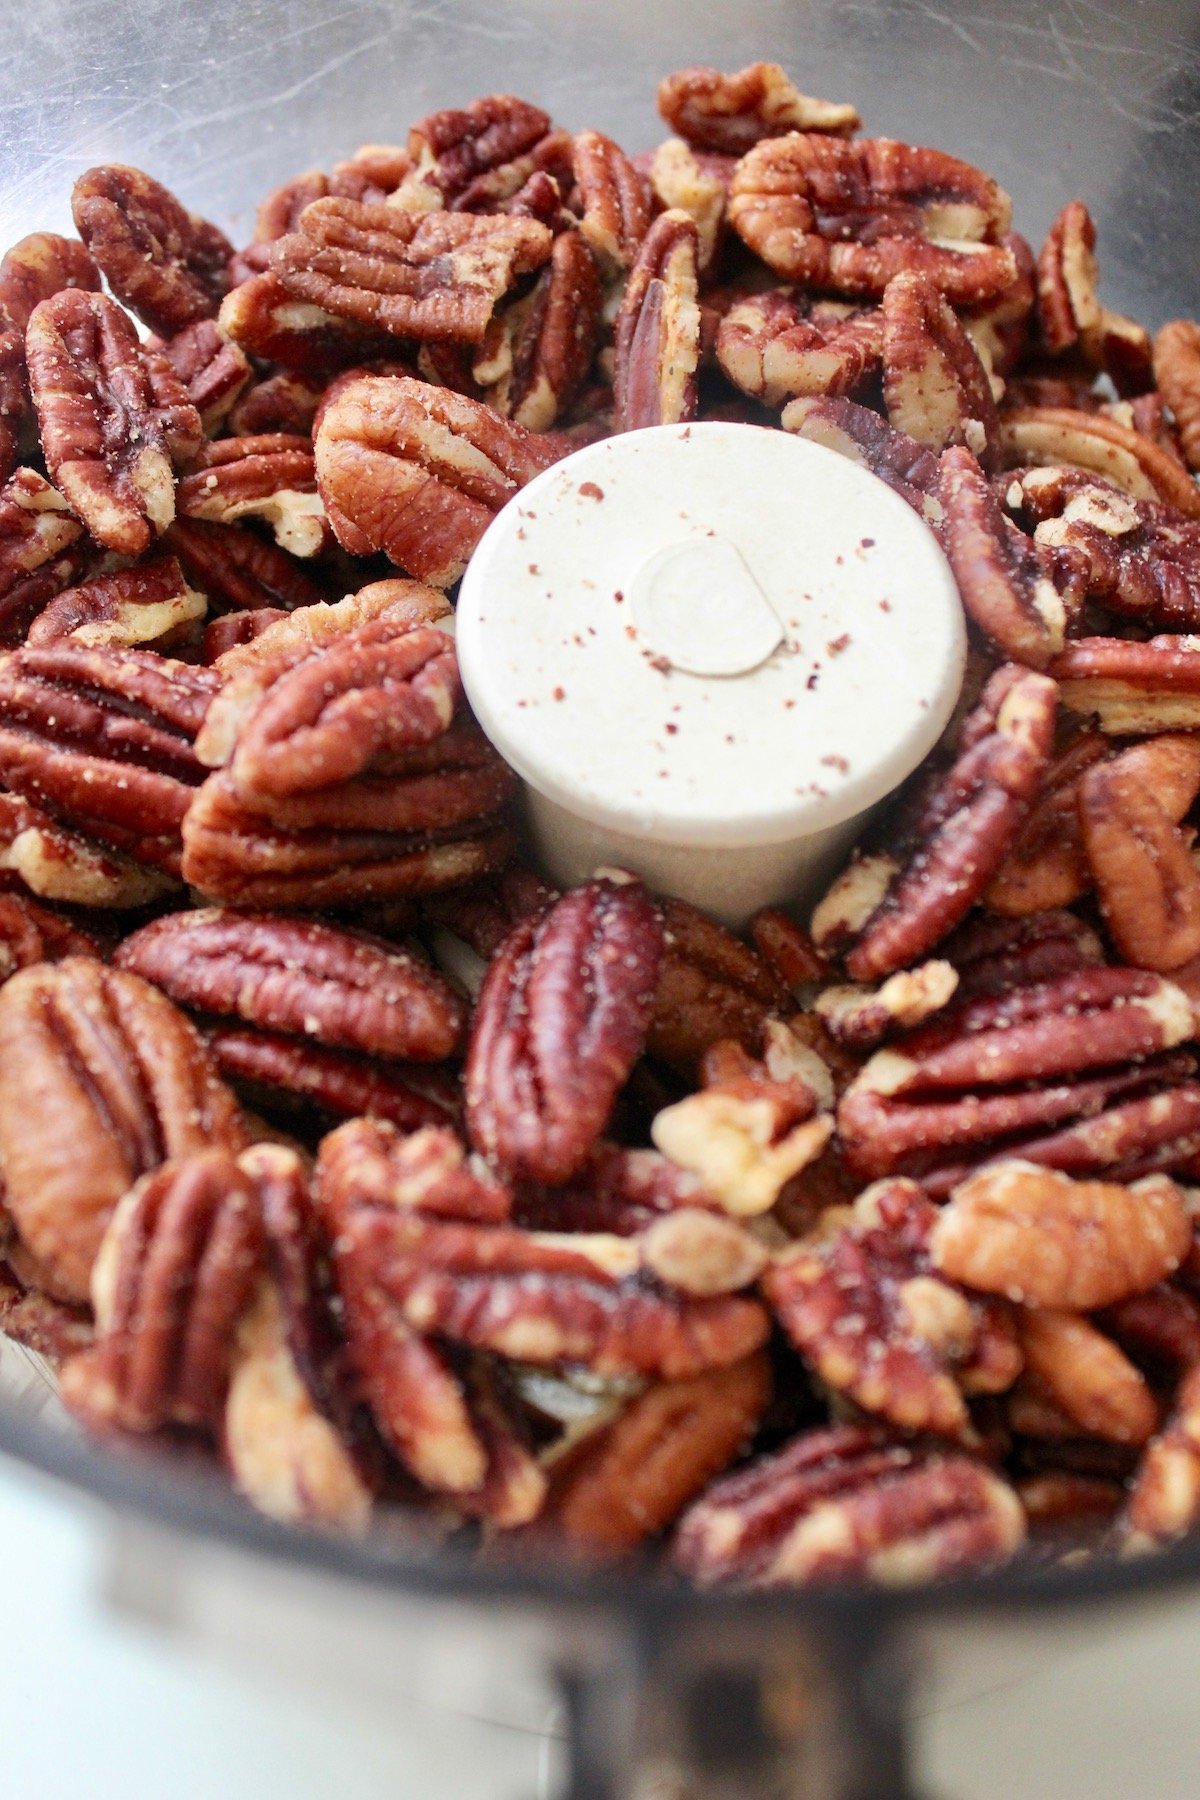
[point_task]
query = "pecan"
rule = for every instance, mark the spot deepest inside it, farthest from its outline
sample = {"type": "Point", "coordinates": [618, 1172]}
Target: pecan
{"type": "Point", "coordinates": [1177, 377]}
{"type": "Point", "coordinates": [613, 199]}
{"type": "Point", "coordinates": [1132, 689]}
{"type": "Point", "coordinates": [711, 987]}
{"type": "Point", "coordinates": [367, 1162]}
{"type": "Point", "coordinates": [30, 933]}
{"type": "Point", "coordinates": [1087, 1378]}
{"type": "Point", "coordinates": [39, 554]}
{"type": "Point", "coordinates": [657, 332]}
{"type": "Point", "coordinates": [165, 263]}
{"type": "Point", "coordinates": [235, 569]}
{"type": "Point", "coordinates": [618, 1190]}
{"type": "Point", "coordinates": [745, 1138]}
{"type": "Point", "coordinates": [992, 956]}
{"type": "Point", "coordinates": [339, 987]}
{"type": "Point", "coordinates": [266, 320]}
{"type": "Point", "coordinates": [560, 1021]}
{"type": "Point", "coordinates": [696, 183]}
{"type": "Point", "coordinates": [111, 418]}
{"type": "Point", "coordinates": [50, 1328]}
{"type": "Point", "coordinates": [104, 738]}
{"type": "Point", "coordinates": [1101, 446]}
{"type": "Point", "coordinates": [102, 1081]}
{"type": "Point", "coordinates": [293, 1075]}
{"type": "Point", "coordinates": [777, 345]}
{"type": "Point", "coordinates": [861, 1303]}
{"type": "Point", "coordinates": [964, 824]}
{"type": "Point", "coordinates": [58, 865]}
{"type": "Point", "coordinates": [696, 1251]}
{"type": "Point", "coordinates": [846, 1502]}
{"type": "Point", "coordinates": [787, 949]}
{"type": "Point", "coordinates": [934, 385]}
{"type": "Point", "coordinates": [1035, 1235]}
{"type": "Point", "coordinates": [1057, 1498]}
{"type": "Point", "coordinates": [1159, 1329]}
{"type": "Point", "coordinates": [1000, 328]}
{"type": "Point", "coordinates": [175, 1272]}
{"type": "Point", "coordinates": [483, 915]}
{"type": "Point", "coordinates": [861, 435]}
{"type": "Point", "coordinates": [848, 215]}
{"type": "Point", "coordinates": [145, 604]}
{"type": "Point", "coordinates": [270, 478]}
{"type": "Point", "coordinates": [1165, 1499]}
{"type": "Point", "coordinates": [628, 1480]}
{"type": "Point", "coordinates": [473, 156]}
{"type": "Point", "coordinates": [282, 402]}
{"type": "Point", "coordinates": [436, 276]}
{"type": "Point", "coordinates": [1147, 884]}
{"type": "Point", "coordinates": [36, 268]}
{"type": "Point", "coordinates": [213, 371]}
{"type": "Point", "coordinates": [862, 1017]}
{"type": "Point", "coordinates": [1046, 866]}
{"type": "Point", "coordinates": [418, 472]}
{"type": "Point", "coordinates": [544, 342]}
{"type": "Point", "coordinates": [1070, 315]}
{"type": "Point", "coordinates": [232, 630]}
{"type": "Point", "coordinates": [1021, 594]}
{"type": "Point", "coordinates": [734, 112]}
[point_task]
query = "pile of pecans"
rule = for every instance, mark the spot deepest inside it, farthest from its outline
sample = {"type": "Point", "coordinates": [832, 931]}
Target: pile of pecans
{"type": "Point", "coordinates": [335, 1140]}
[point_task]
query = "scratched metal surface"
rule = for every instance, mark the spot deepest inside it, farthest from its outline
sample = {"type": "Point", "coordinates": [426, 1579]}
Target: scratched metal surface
{"type": "Point", "coordinates": [224, 98]}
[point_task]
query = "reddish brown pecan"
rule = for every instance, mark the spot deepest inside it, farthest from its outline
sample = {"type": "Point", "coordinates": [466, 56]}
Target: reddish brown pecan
{"type": "Point", "coordinates": [787, 949]}
{"type": "Point", "coordinates": [861, 435]}
{"type": "Point", "coordinates": [1101, 446]}
{"type": "Point", "coordinates": [340, 987]}
{"type": "Point", "coordinates": [234, 568]}
{"type": "Point", "coordinates": [282, 402]}
{"type": "Point", "coordinates": [419, 472]}
{"type": "Point", "coordinates": [849, 215]}
{"type": "Point", "coordinates": [614, 201]}
{"type": "Point", "coordinates": [1159, 1329]}
{"type": "Point", "coordinates": [712, 986]}
{"type": "Point", "coordinates": [103, 737]}
{"type": "Point", "coordinates": [1177, 377]}
{"type": "Point", "coordinates": [844, 1503]}
{"type": "Point", "coordinates": [272, 478]}
{"type": "Point", "coordinates": [1035, 1235]}
{"type": "Point", "coordinates": [1165, 1500]}
{"type": "Point", "coordinates": [436, 276]}
{"type": "Point", "coordinates": [149, 603]}
{"type": "Point", "coordinates": [232, 630]}
{"type": "Point", "coordinates": [1070, 315]}
{"type": "Point", "coordinates": [213, 371]}
{"type": "Point", "coordinates": [39, 550]}
{"type": "Point", "coordinates": [292, 1075]}
{"type": "Point", "coordinates": [860, 1017]}
{"type": "Point", "coordinates": [30, 933]}
{"type": "Point", "coordinates": [59, 865]}
{"type": "Point", "coordinates": [36, 268]}
{"type": "Point", "coordinates": [860, 1301]}
{"type": "Point", "coordinates": [734, 112]}
{"type": "Point", "coordinates": [992, 955]}
{"type": "Point", "coordinates": [1000, 328]}
{"type": "Point", "coordinates": [1132, 688]}
{"type": "Point", "coordinates": [1046, 866]}
{"type": "Point", "coordinates": [483, 915]}
{"type": "Point", "coordinates": [618, 1190]}
{"type": "Point", "coordinates": [265, 319]}
{"type": "Point", "coordinates": [1086, 1377]}
{"type": "Point", "coordinates": [111, 417]}
{"type": "Point", "coordinates": [473, 156]}
{"type": "Point", "coordinates": [934, 385]}
{"type": "Point", "coordinates": [697, 183]}
{"type": "Point", "coordinates": [560, 1022]}
{"type": "Point", "coordinates": [165, 263]}
{"type": "Point", "coordinates": [963, 825]}
{"type": "Point", "coordinates": [657, 332]}
{"type": "Point", "coordinates": [539, 350]}
{"type": "Point", "coordinates": [1147, 884]}
{"type": "Point", "coordinates": [102, 1080]}
{"type": "Point", "coordinates": [1022, 595]}
{"type": "Point", "coordinates": [50, 1328]}
{"type": "Point", "coordinates": [367, 1162]}
{"type": "Point", "coordinates": [777, 345]}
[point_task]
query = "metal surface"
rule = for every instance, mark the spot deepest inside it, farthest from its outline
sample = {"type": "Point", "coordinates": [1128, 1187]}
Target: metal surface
{"type": "Point", "coordinates": [222, 99]}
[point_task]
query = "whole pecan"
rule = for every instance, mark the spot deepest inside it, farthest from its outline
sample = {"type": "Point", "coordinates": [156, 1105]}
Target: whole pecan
{"type": "Point", "coordinates": [777, 345]}
{"type": "Point", "coordinates": [1165, 1498]}
{"type": "Point", "coordinates": [539, 349]}
{"type": "Point", "coordinates": [1087, 1377]}
{"type": "Point", "coordinates": [1132, 689]}
{"type": "Point", "coordinates": [165, 263]}
{"type": "Point", "coordinates": [103, 737]}
{"type": "Point", "coordinates": [613, 199]}
{"type": "Point", "coordinates": [34, 269]}
{"type": "Point", "coordinates": [340, 987]}
{"type": "Point", "coordinates": [1035, 1235]}
{"type": "Point", "coordinates": [1147, 884]}
{"type": "Point", "coordinates": [112, 418]}
{"type": "Point", "coordinates": [57, 864]}
{"type": "Point", "coordinates": [734, 112]}
{"type": "Point", "coordinates": [235, 569]}
{"type": "Point", "coordinates": [418, 472]}
{"type": "Point", "coordinates": [473, 156]}
{"type": "Point", "coordinates": [39, 550]}
{"type": "Point", "coordinates": [1100, 446]}
{"type": "Point", "coordinates": [697, 183]}
{"type": "Point", "coordinates": [560, 1022]}
{"type": "Point", "coordinates": [850, 214]}
{"type": "Point", "coordinates": [657, 332]}
{"type": "Point", "coordinates": [270, 478]}
{"type": "Point", "coordinates": [291, 1075]}
{"type": "Point", "coordinates": [1177, 377]}
{"type": "Point", "coordinates": [934, 385]}
{"type": "Point", "coordinates": [213, 371]}
{"type": "Point", "coordinates": [963, 825]}
{"type": "Point", "coordinates": [1070, 315]}
{"type": "Point", "coordinates": [145, 604]}
{"type": "Point", "coordinates": [848, 1502]}
{"type": "Point", "coordinates": [101, 1080]}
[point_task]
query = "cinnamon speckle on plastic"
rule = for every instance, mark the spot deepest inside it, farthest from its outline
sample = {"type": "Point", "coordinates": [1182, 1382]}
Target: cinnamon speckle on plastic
{"type": "Point", "coordinates": [838, 644]}
{"type": "Point", "coordinates": [590, 490]}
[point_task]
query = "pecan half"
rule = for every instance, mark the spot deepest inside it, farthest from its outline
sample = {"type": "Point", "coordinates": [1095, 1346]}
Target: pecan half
{"type": "Point", "coordinates": [1070, 315]}
{"type": "Point", "coordinates": [39, 554]}
{"type": "Point", "coordinates": [657, 332]}
{"type": "Point", "coordinates": [236, 569]}
{"type": "Point", "coordinates": [849, 215]}
{"type": "Point", "coordinates": [856, 432]}
{"type": "Point", "coordinates": [1132, 689]}
{"type": "Point", "coordinates": [268, 322]}
{"type": "Point", "coordinates": [696, 183]}
{"type": "Point", "coordinates": [778, 345]}
{"type": "Point", "coordinates": [145, 604]}
{"type": "Point", "coordinates": [270, 478]}
{"type": "Point", "coordinates": [213, 371]}
{"type": "Point", "coordinates": [994, 955]}
{"type": "Point", "coordinates": [934, 385]}
{"type": "Point", "coordinates": [367, 1162]}
{"type": "Point", "coordinates": [472, 156]}
{"type": "Point", "coordinates": [1102, 446]}
{"type": "Point", "coordinates": [1035, 1235]}
{"type": "Point", "coordinates": [848, 1502]}
{"type": "Point", "coordinates": [291, 1076]}
{"type": "Point", "coordinates": [1085, 1375]}
{"type": "Point", "coordinates": [59, 865]}
{"type": "Point", "coordinates": [1165, 1499]}
{"type": "Point", "coordinates": [711, 987]}
{"type": "Point", "coordinates": [164, 262]}
{"type": "Point", "coordinates": [560, 1021]}
{"type": "Point", "coordinates": [1177, 377]}
{"type": "Point", "coordinates": [418, 472]}
{"type": "Point", "coordinates": [101, 1080]}
{"type": "Point", "coordinates": [36, 268]}
{"type": "Point", "coordinates": [538, 353]}
{"type": "Point", "coordinates": [614, 202]}
{"type": "Point", "coordinates": [734, 112]}
{"type": "Point", "coordinates": [1147, 884]}
{"type": "Point", "coordinates": [111, 417]}
{"type": "Point", "coordinates": [30, 933]}
{"type": "Point", "coordinates": [340, 987]}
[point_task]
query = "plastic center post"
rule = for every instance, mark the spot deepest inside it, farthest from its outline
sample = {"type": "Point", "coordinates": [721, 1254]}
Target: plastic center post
{"type": "Point", "coordinates": [697, 606]}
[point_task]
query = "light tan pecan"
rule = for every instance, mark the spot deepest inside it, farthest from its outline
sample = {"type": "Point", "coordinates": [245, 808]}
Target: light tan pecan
{"type": "Point", "coordinates": [148, 603]}
{"type": "Point", "coordinates": [657, 331]}
{"type": "Point", "coordinates": [34, 269]}
{"type": "Point", "coordinates": [281, 402]}
{"type": "Point", "coordinates": [848, 1503]}
{"type": "Point", "coordinates": [1087, 1377]}
{"type": "Point", "coordinates": [614, 201]}
{"type": "Point", "coordinates": [1035, 1235]}
{"type": "Point", "coordinates": [272, 478]}
{"type": "Point", "coordinates": [419, 472]}
{"type": "Point", "coordinates": [57, 864]}
{"type": "Point", "coordinates": [861, 435]}
{"type": "Point", "coordinates": [291, 1077]}
{"type": "Point", "coordinates": [1177, 377]}
{"type": "Point", "coordinates": [213, 371]}
{"type": "Point", "coordinates": [934, 385]}
{"type": "Point", "coordinates": [732, 113]}
{"type": "Point", "coordinates": [629, 1479]}
{"type": "Point", "coordinates": [235, 568]}
{"type": "Point", "coordinates": [1058, 436]}
{"type": "Point", "coordinates": [1058, 1499]}
{"type": "Point", "coordinates": [339, 987]}
{"type": "Point", "coordinates": [694, 182]}
{"type": "Point", "coordinates": [559, 1023]}
{"type": "Point", "coordinates": [777, 345]}
{"type": "Point", "coordinates": [1165, 1499]}
{"type": "Point", "coordinates": [268, 322]}
{"type": "Point", "coordinates": [538, 350]}
{"type": "Point", "coordinates": [102, 1080]}
{"type": "Point", "coordinates": [850, 214]}
{"type": "Point", "coordinates": [165, 263]}
{"type": "Point", "coordinates": [112, 418]}
{"type": "Point", "coordinates": [474, 157]}
{"type": "Point", "coordinates": [1070, 315]}
{"type": "Point", "coordinates": [962, 825]}
{"type": "Point", "coordinates": [433, 276]}
{"type": "Point", "coordinates": [862, 1304]}
{"type": "Point", "coordinates": [1147, 884]}
{"type": "Point", "coordinates": [862, 1017]}
{"type": "Point", "coordinates": [40, 553]}
{"type": "Point", "coordinates": [103, 738]}
{"type": "Point", "coordinates": [1132, 689]}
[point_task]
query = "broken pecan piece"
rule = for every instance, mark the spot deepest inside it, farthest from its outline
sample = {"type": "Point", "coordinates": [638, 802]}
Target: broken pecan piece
{"type": "Point", "coordinates": [145, 604]}
{"type": "Point", "coordinates": [732, 113]}
{"type": "Point", "coordinates": [1132, 689]}
{"type": "Point", "coordinates": [1177, 377]}
{"type": "Point", "coordinates": [777, 345]}
{"type": "Point", "coordinates": [711, 987]}
{"type": "Point", "coordinates": [862, 1017]}
{"type": "Point", "coordinates": [57, 864]}
{"type": "Point", "coordinates": [1070, 315]}
{"type": "Point", "coordinates": [697, 183]}
{"type": "Point", "coordinates": [745, 1137]}
{"type": "Point", "coordinates": [1101, 446]}
{"type": "Point", "coordinates": [934, 385]}
{"type": "Point", "coordinates": [657, 332]}
{"type": "Point", "coordinates": [270, 478]}
{"type": "Point", "coordinates": [164, 262]}
{"type": "Point", "coordinates": [543, 343]}
{"type": "Point", "coordinates": [1085, 1375]}
{"type": "Point", "coordinates": [560, 1022]}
